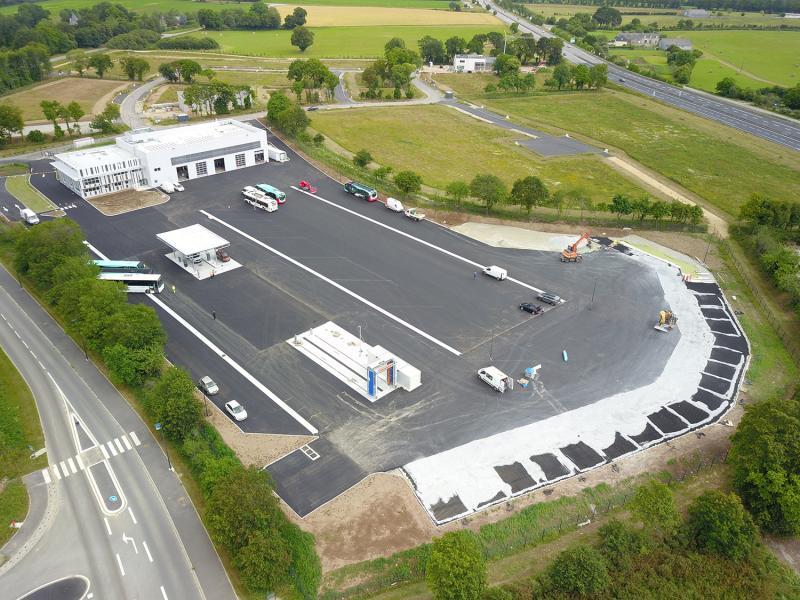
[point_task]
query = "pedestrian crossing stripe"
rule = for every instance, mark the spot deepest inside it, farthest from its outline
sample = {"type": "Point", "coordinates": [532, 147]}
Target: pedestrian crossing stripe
{"type": "Point", "coordinates": [73, 464]}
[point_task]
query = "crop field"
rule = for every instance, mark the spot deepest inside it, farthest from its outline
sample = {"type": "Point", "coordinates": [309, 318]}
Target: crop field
{"type": "Point", "coordinates": [337, 42]}
{"type": "Point", "coordinates": [717, 163]}
{"type": "Point", "coordinates": [361, 16]}
{"type": "Point", "coordinates": [86, 91]}
{"type": "Point", "coordinates": [54, 6]}
{"type": "Point", "coordinates": [662, 16]}
{"type": "Point", "coordinates": [771, 55]}
{"type": "Point", "coordinates": [439, 134]}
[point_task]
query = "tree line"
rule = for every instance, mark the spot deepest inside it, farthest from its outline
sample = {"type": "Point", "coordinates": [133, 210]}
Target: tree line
{"type": "Point", "coordinates": [394, 69]}
{"type": "Point", "coordinates": [765, 6]}
{"type": "Point", "coordinates": [258, 16]}
{"type": "Point", "coordinates": [242, 513]}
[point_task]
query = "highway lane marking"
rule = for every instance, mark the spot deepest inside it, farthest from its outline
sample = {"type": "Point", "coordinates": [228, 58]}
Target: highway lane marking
{"type": "Point", "coordinates": [337, 285]}
{"type": "Point", "coordinates": [147, 549]}
{"type": "Point", "coordinates": [135, 439]}
{"type": "Point", "coordinates": [163, 593]}
{"type": "Point", "coordinates": [127, 443]}
{"type": "Point", "coordinates": [411, 237]}
{"type": "Point", "coordinates": [236, 366]}
{"type": "Point", "coordinates": [108, 527]}
{"type": "Point", "coordinates": [119, 445]}
{"type": "Point", "coordinates": [112, 449]}
{"type": "Point", "coordinates": [71, 464]}
{"type": "Point", "coordinates": [119, 562]}
{"type": "Point", "coordinates": [130, 511]}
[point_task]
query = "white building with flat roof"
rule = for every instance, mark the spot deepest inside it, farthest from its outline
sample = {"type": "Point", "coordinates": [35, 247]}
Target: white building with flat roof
{"type": "Point", "coordinates": [473, 63]}
{"type": "Point", "coordinates": [146, 158]}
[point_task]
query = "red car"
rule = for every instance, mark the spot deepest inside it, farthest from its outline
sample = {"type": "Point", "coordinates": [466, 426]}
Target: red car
{"type": "Point", "coordinates": [307, 187]}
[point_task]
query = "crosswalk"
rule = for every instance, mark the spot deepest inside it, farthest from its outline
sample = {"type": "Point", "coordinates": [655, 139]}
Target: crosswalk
{"type": "Point", "coordinates": [74, 464]}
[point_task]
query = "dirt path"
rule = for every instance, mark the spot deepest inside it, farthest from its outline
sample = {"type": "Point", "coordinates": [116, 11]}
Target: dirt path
{"type": "Point", "coordinates": [100, 105]}
{"type": "Point", "coordinates": [716, 224]}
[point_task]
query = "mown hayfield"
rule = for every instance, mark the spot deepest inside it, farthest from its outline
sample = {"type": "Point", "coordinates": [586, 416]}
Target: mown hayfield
{"type": "Point", "coordinates": [708, 72]}
{"type": "Point", "coordinates": [337, 42]}
{"type": "Point", "coordinates": [362, 16]}
{"type": "Point", "coordinates": [444, 145]}
{"type": "Point", "coordinates": [86, 91]}
{"type": "Point", "coordinates": [772, 55]}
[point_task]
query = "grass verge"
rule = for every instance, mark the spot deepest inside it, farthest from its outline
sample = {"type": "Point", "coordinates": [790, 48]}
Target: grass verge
{"type": "Point", "coordinates": [13, 169]}
{"type": "Point", "coordinates": [13, 507]}
{"type": "Point", "coordinates": [20, 187]}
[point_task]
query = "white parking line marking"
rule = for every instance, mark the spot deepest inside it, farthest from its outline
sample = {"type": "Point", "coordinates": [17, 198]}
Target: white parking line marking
{"type": "Point", "coordinates": [119, 445]}
{"type": "Point", "coordinates": [71, 464]}
{"type": "Point", "coordinates": [147, 549]}
{"type": "Point", "coordinates": [56, 472]}
{"type": "Point", "coordinates": [135, 439]}
{"type": "Point", "coordinates": [108, 527]}
{"type": "Point", "coordinates": [112, 449]}
{"type": "Point", "coordinates": [411, 237]}
{"type": "Point", "coordinates": [127, 443]}
{"type": "Point", "coordinates": [79, 461]}
{"type": "Point", "coordinates": [95, 250]}
{"type": "Point", "coordinates": [104, 451]}
{"type": "Point", "coordinates": [338, 286]}
{"type": "Point", "coordinates": [46, 476]}
{"type": "Point", "coordinates": [130, 512]}
{"type": "Point", "coordinates": [121, 568]}
{"type": "Point", "coordinates": [238, 368]}
{"type": "Point", "coordinates": [163, 593]}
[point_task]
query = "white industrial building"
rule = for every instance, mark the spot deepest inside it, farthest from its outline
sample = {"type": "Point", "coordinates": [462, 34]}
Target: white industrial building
{"type": "Point", "coordinates": [147, 158]}
{"type": "Point", "coordinates": [473, 63]}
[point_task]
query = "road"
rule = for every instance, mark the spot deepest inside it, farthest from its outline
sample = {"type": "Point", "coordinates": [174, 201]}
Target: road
{"type": "Point", "coordinates": [768, 126]}
{"type": "Point", "coordinates": [116, 514]}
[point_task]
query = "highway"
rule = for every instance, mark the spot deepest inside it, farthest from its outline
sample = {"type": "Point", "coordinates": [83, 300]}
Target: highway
{"type": "Point", "coordinates": [116, 514]}
{"type": "Point", "coordinates": [775, 128]}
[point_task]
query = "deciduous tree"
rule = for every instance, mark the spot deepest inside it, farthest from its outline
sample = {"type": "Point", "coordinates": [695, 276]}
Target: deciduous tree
{"type": "Point", "coordinates": [489, 188]}
{"type": "Point", "coordinates": [456, 568]}
{"type": "Point", "coordinates": [529, 192]}
{"type": "Point", "coordinates": [718, 523]}
{"type": "Point", "coordinates": [408, 182]}
{"type": "Point", "coordinates": [303, 38]}
{"type": "Point", "coordinates": [101, 63]}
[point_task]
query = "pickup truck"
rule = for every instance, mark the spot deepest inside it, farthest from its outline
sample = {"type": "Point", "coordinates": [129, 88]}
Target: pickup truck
{"type": "Point", "coordinates": [414, 214]}
{"type": "Point", "coordinates": [495, 378]}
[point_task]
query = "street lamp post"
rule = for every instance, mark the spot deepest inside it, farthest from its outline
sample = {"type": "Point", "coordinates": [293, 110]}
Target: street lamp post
{"type": "Point", "coordinates": [166, 448]}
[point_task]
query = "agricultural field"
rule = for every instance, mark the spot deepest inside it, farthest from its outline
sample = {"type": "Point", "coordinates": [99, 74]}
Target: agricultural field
{"type": "Point", "coordinates": [771, 55]}
{"type": "Point", "coordinates": [440, 134]}
{"type": "Point", "coordinates": [337, 42]}
{"type": "Point", "coordinates": [717, 163]}
{"type": "Point", "coordinates": [663, 16]}
{"type": "Point", "coordinates": [352, 16]}
{"type": "Point", "coordinates": [89, 92]}
{"type": "Point", "coordinates": [54, 6]}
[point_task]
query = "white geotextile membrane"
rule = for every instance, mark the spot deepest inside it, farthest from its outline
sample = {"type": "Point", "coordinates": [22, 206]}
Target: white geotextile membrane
{"type": "Point", "coordinates": [468, 470]}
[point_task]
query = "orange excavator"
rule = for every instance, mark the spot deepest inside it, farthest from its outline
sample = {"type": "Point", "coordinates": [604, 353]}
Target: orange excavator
{"type": "Point", "coordinates": [570, 253]}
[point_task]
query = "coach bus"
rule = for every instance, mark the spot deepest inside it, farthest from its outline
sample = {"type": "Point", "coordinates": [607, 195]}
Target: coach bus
{"type": "Point", "coordinates": [141, 283]}
{"type": "Point", "coordinates": [121, 266]}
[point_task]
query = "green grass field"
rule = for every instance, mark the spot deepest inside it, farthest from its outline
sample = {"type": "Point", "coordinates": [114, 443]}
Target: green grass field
{"type": "Point", "coordinates": [439, 134]}
{"type": "Point", "coordinates": [337, 42]}
{"type": "Point", "coordinates": [772, 55]}
{"type": "Point", "coordinates": [719, 164]}
{"type": "Point", "coordinates": [54, 6]}
{"type": "Point", "coordinates": [22, 190]}
{"type": "Point", "coordinates": [13, 169]}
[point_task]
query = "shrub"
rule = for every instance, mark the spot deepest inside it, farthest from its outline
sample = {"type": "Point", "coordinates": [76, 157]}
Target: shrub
{"type": "Point", "coordinates": [362, 158]}
{"type": "Point", "coordinates": [188, 42]}
{"type": "Point", "coordinates": [718, 523]}
{"type": "Point", "coordinates": [456, 567]}
{"type": "Point", "coordinates": [620, 544]}
{"type": "Point", "coordinates": [579, 571]}
{"type": "Point", "coordinates": [35, 136]}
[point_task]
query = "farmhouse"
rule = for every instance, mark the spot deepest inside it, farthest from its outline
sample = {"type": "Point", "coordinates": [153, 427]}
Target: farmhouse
{"type": "Point", "coordinates": [473, 63]}
{"type": "Point", "coordinates": [696, 13]}
{"type": "Point", "coordinates": [682, 43]}
{"type": "Point", "coordinates": [636, 39]}
{"type": "Point", "coordinates": [145, 158]}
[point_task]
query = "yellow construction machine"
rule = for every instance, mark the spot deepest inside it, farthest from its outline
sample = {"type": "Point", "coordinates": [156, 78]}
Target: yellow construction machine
{"type": "Point", "coordinates": [570, 253]}
{"type": "Point", "coordinates": [666, 321]}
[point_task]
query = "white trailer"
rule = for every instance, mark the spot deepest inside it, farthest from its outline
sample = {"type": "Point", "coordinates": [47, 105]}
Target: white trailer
{"type": "Point", "coordinates": [258, 199]}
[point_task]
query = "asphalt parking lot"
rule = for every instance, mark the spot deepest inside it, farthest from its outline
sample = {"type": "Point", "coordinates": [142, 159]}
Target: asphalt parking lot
{"type": "Point", "coordinates": [605, 325]}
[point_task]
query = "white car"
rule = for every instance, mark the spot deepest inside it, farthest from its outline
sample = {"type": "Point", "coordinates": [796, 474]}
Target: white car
{"type": "Point", "coordinates": [178, 187]}
{"type": "Point", "coordinates": [207, 386]}
{"type": "Point", "coordinates": [236, 410]}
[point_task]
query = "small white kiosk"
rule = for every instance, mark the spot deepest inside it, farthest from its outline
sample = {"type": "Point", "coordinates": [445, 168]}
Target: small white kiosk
{"type": "Point", "coordinates": [198, 251]}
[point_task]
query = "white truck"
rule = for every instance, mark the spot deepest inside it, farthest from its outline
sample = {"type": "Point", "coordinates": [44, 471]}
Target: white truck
{"type": "Point", "coordinates": [496, 379]}
{"type": "Point", "coordinates": [414, 214]}
{"type": "Point", "coordinates": [28, 216]}
{"type": "Point", "coordinates": [258, 199]}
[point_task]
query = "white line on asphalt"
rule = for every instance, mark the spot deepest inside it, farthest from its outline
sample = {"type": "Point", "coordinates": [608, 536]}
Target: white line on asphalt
{"type": "Point", "coordinates": [163, 593]}
{"type": "Point", "coordinates": [95, 250]}
{"type": "Point", "coordinates": [24, 343]}
{"type": "Point", "coordinates": [56, 472]}
{"type": "Point", "coordinates": [239, 369]}
{"type": "Point", "coordinates": [40, 364]}
{"type": "Point", "coordinates": [338, 286]}
{"type": "Point", "coordinates": [411, 237]}
{"type": "Point", "coordinates": [146, 549]}
{"type": "Point", "coordinates": [79, 461]}
{"type": "Point", "coordinates": [71, 464]}
{"type": "Point", "coordinates": [17, 334]}
{"type": "Point", "coordinates": [127, 443]}
{"type": "Point", "coordinates": [130, 511]}
{"type": "Point", "coordinates": [104, 451]}
{"type": "Point", "coordinates": [46, 476]}
{"type": "Point", "coordinates": [34, 356]}
{"type": "Point", "coordinates": [108, 527]}
{"type": "Point", "coordinates": [119, 445]}
{"type": "Point", "coordinates": [135, 439]}
{"type": "Point", "coordinates": [119, 562]}
{"type": "Point", "coordinates": [64, 468]}
{"type": "Point", "coordinates": [112, 449]}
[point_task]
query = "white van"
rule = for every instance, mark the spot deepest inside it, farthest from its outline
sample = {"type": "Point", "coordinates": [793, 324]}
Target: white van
{"type": "Point", "coordinates": [167, 187]}
{"type": "Point", "coordinates": [27, 215]}
{"type": "Point", "coordinates": [497, 272]}
{"type": "Point", "coordinates": [495, 378]}
{"type": "Point", "coordinates": [394, 204]}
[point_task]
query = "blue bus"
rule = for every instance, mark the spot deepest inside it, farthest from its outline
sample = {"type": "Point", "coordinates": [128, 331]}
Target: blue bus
{"type": "Point", "coordinates": [121, 266]}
